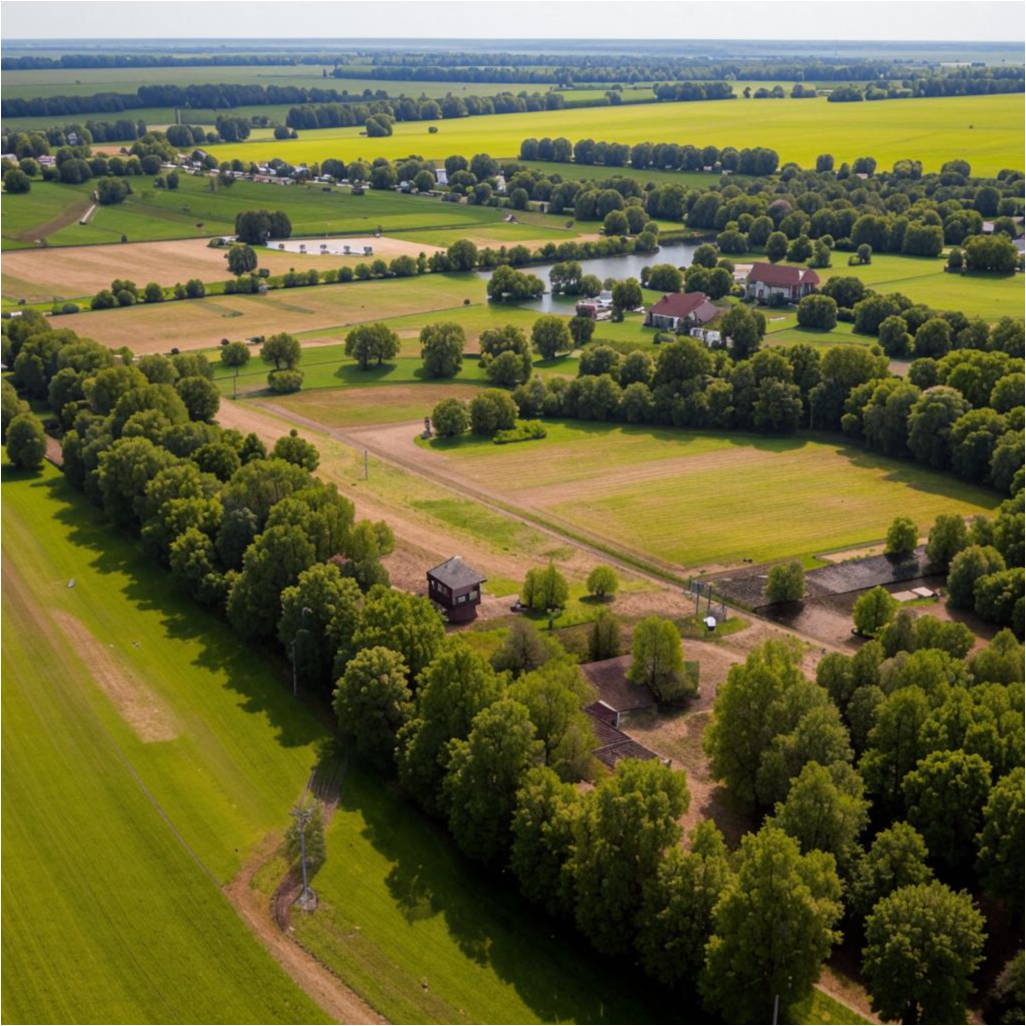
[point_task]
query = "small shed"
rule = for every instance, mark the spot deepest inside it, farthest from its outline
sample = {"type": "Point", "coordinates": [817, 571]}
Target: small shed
{"type": "Point", "coordinates": [456, 588]}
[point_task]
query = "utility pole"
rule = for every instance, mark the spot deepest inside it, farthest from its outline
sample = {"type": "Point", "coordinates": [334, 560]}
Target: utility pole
{"type": "Point", "coordinates": [302, 818]}
{"type": "Point", "coordinates": [776, 1009]}
{"type": "Point", "coordinates": [366, 467]}
{"type": "Point", "coordinates": [235, 384]}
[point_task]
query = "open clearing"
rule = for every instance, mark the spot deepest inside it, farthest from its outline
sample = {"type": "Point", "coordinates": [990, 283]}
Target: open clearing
{"type": "Point", "coordinates": [200, 207]}
{"type": "Point", "coordinates": [689, 498]}
{"type": "Point", "coordinates": [930, 130]}
{"type": "Point", "coordinates": [196, 323]}
{"type": "Point", "coordinates": [384, 404]}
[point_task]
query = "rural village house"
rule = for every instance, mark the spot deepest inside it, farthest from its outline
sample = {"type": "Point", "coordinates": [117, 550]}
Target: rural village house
{"type": "Point", "coordinates": [766, 281]}
{"type": "Point", "coordinates": [679, 311]}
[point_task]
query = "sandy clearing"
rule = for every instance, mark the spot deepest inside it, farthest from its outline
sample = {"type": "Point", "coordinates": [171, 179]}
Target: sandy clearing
{"type": "Point", "coordinates": [385, 247]}
{"type": "Point", "coordinates": [69, 272]}
{"type": "Point", "coordinates": [142, 710]}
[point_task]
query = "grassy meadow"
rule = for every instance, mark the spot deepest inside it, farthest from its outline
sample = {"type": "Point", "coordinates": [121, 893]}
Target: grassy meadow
{"type": "Point", "coordinates": [146, 752]}
{"type": "Point", "coordinates": [200, 207]}
{"type": "Point", "coordinates": [930, 130]}
{"type": "Point", "coordinates": [691, 498]}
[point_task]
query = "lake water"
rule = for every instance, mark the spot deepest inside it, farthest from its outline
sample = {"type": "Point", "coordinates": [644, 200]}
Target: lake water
{"type": "Point", "coordinates": [618, 267]}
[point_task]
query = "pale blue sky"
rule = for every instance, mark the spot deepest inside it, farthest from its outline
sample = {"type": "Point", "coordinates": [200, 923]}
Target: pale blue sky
{"type": "Point", "coordinates": [526, 19]}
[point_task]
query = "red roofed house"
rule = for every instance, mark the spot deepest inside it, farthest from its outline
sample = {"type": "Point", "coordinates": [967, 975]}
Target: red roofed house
{"type": "Point", "coordinates": [789, 283]}
{"type": "Point", "coordinates": [679, 311]}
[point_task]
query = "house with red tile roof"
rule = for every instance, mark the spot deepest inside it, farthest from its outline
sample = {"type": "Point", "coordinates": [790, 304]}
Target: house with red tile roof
{"type": "Point", "coordinates": [768, 281]}
{"type": "Point", "coordinates": [679, 311]}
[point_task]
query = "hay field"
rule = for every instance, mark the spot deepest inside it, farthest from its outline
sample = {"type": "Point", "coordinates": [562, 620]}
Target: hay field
{"type": "Point", "coordinates": [987, 130]}
{"type": "Point", "coordinates": [692, 498]}
{"type": "Point", "coordinates": [38, 275]}
{"type": "Point", "coordinates": [202, 323]}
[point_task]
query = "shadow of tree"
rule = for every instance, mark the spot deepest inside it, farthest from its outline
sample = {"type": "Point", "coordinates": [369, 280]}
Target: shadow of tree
{"type": "Point", "coordinates": [551, 967]}
{"type": "Point", "coordinates": [242, 666]}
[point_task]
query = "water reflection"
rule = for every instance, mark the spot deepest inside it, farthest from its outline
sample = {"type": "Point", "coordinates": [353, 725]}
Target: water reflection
{"type": "Point", "coordinates": [618, 267]}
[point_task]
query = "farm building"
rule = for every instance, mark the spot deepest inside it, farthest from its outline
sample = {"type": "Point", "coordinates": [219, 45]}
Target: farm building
{"type": "Point", "coordinates": [679, 311]}
{"type": "Point", "coordinates": [766, 281]}
{"type": "Point", "coordinates": [612, 743]}
{"type": "Point", "coordinates": [456, 588]}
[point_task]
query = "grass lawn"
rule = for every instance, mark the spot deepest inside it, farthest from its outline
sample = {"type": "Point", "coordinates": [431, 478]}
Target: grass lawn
{"type": "Point", "coordinates": [924, 280]}
{"type": "Point", "coordinates": [929, 130]}
{"type": "Point", "coordinates": [692, 498]}
{"type": "Point", "coordinates": [194, 210]}
{"type": "Point", "coordinates": [385, 403]}
{"type": "Point", "coordinates": [146, 751]}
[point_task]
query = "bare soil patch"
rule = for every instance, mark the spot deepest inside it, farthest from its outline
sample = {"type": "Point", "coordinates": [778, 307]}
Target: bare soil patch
{"type": "Point", "coordinates": [143, 711]}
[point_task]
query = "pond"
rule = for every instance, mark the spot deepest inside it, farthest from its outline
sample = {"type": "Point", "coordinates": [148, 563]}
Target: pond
{"type": "Point", "coordinates": [618, 267]}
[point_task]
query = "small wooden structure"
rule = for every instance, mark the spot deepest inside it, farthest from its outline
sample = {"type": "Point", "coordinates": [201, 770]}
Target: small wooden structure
{"type": "Point", "coordinates": [456, 588]}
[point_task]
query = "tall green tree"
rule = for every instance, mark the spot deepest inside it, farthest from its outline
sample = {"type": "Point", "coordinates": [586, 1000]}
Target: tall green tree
{"type": "Point", "coordinates": [658, 660]}
{"type": "Point", "coordinates": [372, 702]}
{"type": "Point", "coordinates": [405, 623]}
{"type": "Point", "coordinates": [372, 343]}
{"type": "Point", "coordinates": [676, 919]}
{"type": "Point", "coordinates": [825, 810]}
{"type": "Point", "coordinates": [774, 927]}
{"type": "Point", "coordinates": [484, 774]}
{"type": "Point", "coordinates": [626, 825]}
{"type": "Point", "coordinates": [441, 349]}
{"type": "Point", "coordinates": [451, 691]}
{"type": "Point", "coordinates": [923, 944]}
{"type": "Point", "coordinates": [896, 858]}
{"type": "Point", "coordinates": [1000, 859]}
{"type": "Point", "coordinates": [544, 824]}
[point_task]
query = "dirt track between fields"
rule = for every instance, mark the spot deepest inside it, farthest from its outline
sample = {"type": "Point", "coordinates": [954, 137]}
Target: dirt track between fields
{"type": "Point", "coordinates": [142, 710]}
{"type": "Point", "coordinates": [70, 215]}
{"type": "Point", "coordinates": [323, 986]}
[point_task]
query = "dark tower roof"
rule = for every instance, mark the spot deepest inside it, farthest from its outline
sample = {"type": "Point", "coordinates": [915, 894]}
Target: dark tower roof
{"type": "Point", "coordinates": [454, 573]}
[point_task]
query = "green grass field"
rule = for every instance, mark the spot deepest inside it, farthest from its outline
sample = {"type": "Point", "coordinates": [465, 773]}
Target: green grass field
{"type": "Point", "coordinates": [125, 815]}
{"type": "Point", "coordinates": [690, 498]}
{"type": "Point", "coordinates": [193, 210]}
{"type": "Point", "coordinates": [930, 130]}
